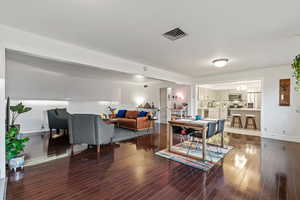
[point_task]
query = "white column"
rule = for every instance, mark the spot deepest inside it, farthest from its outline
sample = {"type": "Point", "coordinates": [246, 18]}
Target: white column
{"type": "Point", "coordinates": [192, 109]}
{"type": "Point", "coordinates": [196, 100]}
{"type": "Point", "coordinates": [165, 111]}
{"type": "Point", "coordinates": [2, 111]}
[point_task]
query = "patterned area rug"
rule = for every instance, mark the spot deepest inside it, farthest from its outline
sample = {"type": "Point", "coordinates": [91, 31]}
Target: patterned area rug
{"type": "Point", "coordinates": [213, 155]}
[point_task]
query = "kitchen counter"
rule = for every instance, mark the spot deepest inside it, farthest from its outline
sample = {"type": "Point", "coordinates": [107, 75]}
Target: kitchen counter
{"type": "Point", "coordinates": [213, 112]}
{"type": "Point", "coordinates": [246, 109]}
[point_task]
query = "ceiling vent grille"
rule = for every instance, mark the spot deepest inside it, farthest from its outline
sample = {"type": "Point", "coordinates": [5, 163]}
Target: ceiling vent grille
{"type": "Point", "coordinates": [175, 34]}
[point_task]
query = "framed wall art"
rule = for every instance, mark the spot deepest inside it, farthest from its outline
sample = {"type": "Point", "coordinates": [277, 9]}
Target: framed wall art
{"type": "Point", "coordinates": [284, 92]}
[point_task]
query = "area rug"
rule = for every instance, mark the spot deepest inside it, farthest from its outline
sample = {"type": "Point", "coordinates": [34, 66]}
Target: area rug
{"type": "Point", "coordinates": [121, 134]}
{"type": "Point", "coordinates": [213, 155]}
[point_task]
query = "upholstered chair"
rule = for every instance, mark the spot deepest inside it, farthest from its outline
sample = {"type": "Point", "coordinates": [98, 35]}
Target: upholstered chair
{"type": "Point", "coordinates": [89, 129]}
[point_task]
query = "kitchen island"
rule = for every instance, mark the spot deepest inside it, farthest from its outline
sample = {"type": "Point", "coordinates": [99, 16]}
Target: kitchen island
{"type": "Point", "coordinates": [247, 111]}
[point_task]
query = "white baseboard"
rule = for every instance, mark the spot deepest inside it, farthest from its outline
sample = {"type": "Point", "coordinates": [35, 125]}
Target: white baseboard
{"type": "Point", "coordinates": [34, 132]}
{"type": "Point", "coordinates": [287, 138]}
{"type": "Point", "coordinates": [3, 185]}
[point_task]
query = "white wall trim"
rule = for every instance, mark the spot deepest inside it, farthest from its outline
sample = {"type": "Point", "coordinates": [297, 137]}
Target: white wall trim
{"type": "Point", "coordinates": [3, 187]}
{"type": "Point", "coordinates": [276, 136]}
{"type": "Point", "coordinates": [33, 44]}
{"type": "Point", "coordinates": [29, 132]}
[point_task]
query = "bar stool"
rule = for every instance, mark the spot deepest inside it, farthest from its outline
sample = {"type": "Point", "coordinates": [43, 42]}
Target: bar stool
{"type": "Point", "coordinates": [236, 119]}
{"type": "Point", "coordinates": [251, 118]}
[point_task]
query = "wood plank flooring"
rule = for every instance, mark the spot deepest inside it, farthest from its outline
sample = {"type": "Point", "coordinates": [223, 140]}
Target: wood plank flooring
{"type": "Point", "coordinates": [255, 169]}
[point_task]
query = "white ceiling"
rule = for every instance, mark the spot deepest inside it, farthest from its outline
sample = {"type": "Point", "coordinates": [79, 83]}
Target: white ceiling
{"type": "Point", "coordinates": [59, 68]}
{"type": "Point", "coordinates": [251, 34]}
{"type": "Point", "coordinates": [240, 85]}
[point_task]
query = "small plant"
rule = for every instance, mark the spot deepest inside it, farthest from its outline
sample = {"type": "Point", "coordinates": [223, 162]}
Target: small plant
{"type": "Point", "coordinates": [16, 111]}
{"type": "Point", "coordinates": [14, 144]}
{"type": "Point", "coordinates": [112, 110]}
{"type": "Point", "coordinates": [296, 68]}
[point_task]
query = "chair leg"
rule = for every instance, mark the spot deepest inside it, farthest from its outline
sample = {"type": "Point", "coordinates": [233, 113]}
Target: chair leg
{"type": "Point", "coordinates": [232, 122]}
{"type": "Point", "coordinates": [181, 139]}
{"type": "Point", "coordinates": [254, 123]}
{"type": "Point", "coordinates": [98, 148]}
{"type": "Point", "coordinates": [57, 131]}
{"type": "Point", "coordinates": [198, 145]}
{"type": "Point", "coordinates": [222, 139]}
{"type": "Point", "coordinates": [246, 124]}
{"type": "Point", "coordinates": [186, 138]}
{"type": "Point", "coordinates": [50, 136]}
{"type": "Point", "coordinates": [72, 149]}
{"type": "Point", "coordinates": [240, 122]}
{"type": "Point", "coordinates": [222, 143]}
{"type": "Point", "coordinates": [190, 145]}
{"type": "Point", "coordinates": [208, 151]}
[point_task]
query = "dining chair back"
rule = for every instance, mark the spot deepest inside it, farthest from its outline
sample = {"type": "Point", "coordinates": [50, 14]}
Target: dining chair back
{"type": "Point", "coordinates": [211, 129]}
{"type": "Point", "coordinates": [221, 126]}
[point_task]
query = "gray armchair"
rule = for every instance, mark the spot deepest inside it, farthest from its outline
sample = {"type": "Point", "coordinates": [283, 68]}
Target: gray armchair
{"type": "Point", "coordinates": [89, 129]}
{"type": "Point", "coordinates": [58, 119]}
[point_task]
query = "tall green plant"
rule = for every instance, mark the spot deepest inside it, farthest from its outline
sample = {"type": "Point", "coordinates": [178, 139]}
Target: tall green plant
{"type": "Point", "coordinates": [17, 110]}
{"type": "Point", "coordinates": [14, 144]}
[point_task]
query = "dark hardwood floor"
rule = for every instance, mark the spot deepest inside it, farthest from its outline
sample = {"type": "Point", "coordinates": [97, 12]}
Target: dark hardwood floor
{"type": "Point", "coordinates": [255, 169]}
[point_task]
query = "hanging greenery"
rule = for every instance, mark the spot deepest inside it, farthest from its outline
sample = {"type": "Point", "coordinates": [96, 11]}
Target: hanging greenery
{"type": "Point", "coordinates": [296, 68]}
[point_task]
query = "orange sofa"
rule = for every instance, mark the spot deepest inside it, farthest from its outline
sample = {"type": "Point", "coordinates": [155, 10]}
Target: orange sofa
{"type": "Point", "coordinates": [133, 122]}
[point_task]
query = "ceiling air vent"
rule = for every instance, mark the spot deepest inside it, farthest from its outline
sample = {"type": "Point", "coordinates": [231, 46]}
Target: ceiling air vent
{"type": "Point", "coordinates": [175, 34]}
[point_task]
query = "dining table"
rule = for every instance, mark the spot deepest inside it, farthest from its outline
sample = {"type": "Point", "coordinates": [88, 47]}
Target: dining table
{"type": "Point", "coordinates": [197, 125]}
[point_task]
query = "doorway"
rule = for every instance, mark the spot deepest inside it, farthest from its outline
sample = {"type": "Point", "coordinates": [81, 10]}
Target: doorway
{"type": "Point", "coordinates": [239, 103]}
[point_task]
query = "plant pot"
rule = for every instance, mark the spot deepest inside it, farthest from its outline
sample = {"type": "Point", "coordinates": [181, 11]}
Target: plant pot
{"type": "Point", "coordinates": [17, 162]}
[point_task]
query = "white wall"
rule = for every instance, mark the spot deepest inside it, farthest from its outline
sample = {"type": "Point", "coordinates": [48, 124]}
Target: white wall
{"type": "Point", "coordinates": [129, 99]}
{"type": "Point", "coordinates": [2, 111]}
{"type": "Point", "coordinates": [277, 122]}
{"type": "Point", "coordinates": [25, 81]}
{"type": "Point", "coordinates": [36, 120]}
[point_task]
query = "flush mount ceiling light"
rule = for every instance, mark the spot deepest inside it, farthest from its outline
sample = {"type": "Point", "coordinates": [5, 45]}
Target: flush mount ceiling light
{"type": "Point", "coordinates": [221, 62]}
{"type": "Point", "coordinates": [138, 76]}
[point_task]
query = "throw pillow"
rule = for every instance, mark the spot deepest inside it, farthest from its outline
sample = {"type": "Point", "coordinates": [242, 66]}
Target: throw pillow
{"type": "Point", "coordinates": [142, 114]}
{"type": "Point", "coordinates": [121, 113]}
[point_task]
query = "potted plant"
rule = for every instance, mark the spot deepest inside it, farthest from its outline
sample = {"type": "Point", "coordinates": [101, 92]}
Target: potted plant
{"type": "Point", "coordinates": [14, 148]}
{"type": "Point", "coordinates": [13, 142]}
{"type": "Point", "coordinates": [17, 110]}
